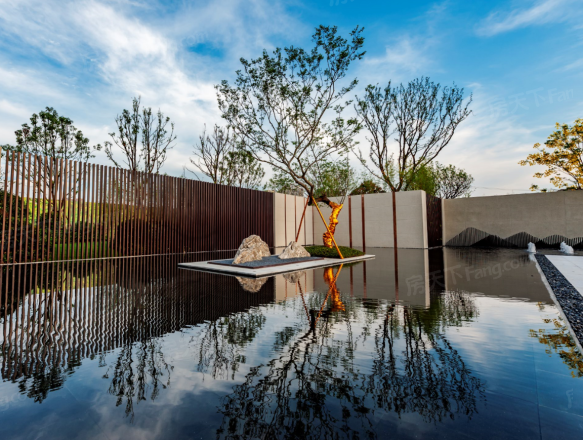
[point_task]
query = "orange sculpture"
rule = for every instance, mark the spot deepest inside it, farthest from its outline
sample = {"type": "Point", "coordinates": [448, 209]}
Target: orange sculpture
{"type": "Point", "coordinates": [328, 235]}
{"type": "Point", "coordinates": [333, 293]}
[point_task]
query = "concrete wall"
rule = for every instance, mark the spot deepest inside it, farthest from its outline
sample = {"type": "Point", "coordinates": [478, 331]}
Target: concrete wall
{"type": "Point", "coordinates": [378, 221]}
{"type": "Point", "coordinates": [287, 217]}
{"type": "Point", "coordinates": [541, 215]}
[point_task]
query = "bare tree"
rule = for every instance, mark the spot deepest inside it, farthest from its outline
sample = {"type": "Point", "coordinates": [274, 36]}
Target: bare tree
{"type": "Point", "coordinates": [219, 157]}
{"type": "Point", "coordinates": [423, 115]}
{"type": "Point", "coordinates": [281, 104]}
{"type": "Point", "coordinates": [143, 137]}
{"type": "Point", "coordinates": [211, 151]}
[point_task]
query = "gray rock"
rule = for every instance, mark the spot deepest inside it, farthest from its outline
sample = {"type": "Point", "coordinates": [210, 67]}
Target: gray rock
{"type": "Point", "coordinates": [252, 285]}
{"type": "Point", "coordinates": [294, 277]}
{"type": "Point", "coordinates": [294, 250]}
{"type": "Point", "coordinates": [251, 249]}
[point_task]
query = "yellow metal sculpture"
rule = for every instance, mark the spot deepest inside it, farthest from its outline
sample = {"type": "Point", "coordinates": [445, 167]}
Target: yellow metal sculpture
{"type": "Point", "coordinates": [326, 224]}
{"type": "Point", "coordinates": [333, 293]}
{"type": "Point", "coordinates": [329, 234]}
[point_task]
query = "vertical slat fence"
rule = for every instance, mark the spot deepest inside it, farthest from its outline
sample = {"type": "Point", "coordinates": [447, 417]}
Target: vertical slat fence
{"type": "Point", "coordinates": [57, 209]}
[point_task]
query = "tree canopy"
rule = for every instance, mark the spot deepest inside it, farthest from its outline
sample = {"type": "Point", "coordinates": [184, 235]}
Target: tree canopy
{"type": "Point", "coordinates": [331, 178]}
{"type": "Point", "coordinates": [218, 157]}
{"type": "Point", "coordinates": [52, 135]}
{"type": "Point", "coordinates": [563, 159]}
{"type": "Point", "coordinates": [143, 139]}
{"type": "Point", "coordinates": [424, 117]}
{"type": "Point", "coordinates": [287, 106]}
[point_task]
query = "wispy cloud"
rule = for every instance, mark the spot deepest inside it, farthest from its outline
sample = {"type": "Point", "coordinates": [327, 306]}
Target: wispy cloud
{"type": "Point", "coordinates": [93, 56]}
{"type": "Point", "coordinates": [404, 57]}
{"type": "Point", "coordinates": [535, 13]}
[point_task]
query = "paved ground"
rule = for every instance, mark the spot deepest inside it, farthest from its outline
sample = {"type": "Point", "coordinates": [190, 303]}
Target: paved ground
{"type": "Point", "coordinates": [571, 267]}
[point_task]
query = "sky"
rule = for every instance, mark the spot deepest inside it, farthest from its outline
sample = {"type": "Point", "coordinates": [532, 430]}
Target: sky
{"type": "Point", "coordinates": [521, 60]}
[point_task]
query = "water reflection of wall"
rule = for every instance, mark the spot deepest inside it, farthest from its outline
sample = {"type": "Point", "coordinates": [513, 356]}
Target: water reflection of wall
{"type": "Point", "coordinates": [56, 314]}
{"type": "Point", "coordinates": [376, 278]}
{"type": "Point", "coordinates": [495, 272]}
{"type": "Point", "coordinates": [290, 285]}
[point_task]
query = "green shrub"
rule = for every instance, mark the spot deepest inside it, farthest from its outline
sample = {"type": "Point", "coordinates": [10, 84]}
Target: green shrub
{"type": "Point", "coordinates": [323, 251]}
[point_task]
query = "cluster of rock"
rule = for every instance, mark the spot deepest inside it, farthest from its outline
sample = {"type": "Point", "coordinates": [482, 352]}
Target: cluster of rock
{"type": "Point", "coordinates": [253, 249]}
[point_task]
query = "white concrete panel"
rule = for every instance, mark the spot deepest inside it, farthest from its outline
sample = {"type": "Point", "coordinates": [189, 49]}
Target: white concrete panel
{"type": "Point", "coordinates": [290, 219]}
{"type": "Point", "coordinates": [308, 226]}
{"type": "Point", "coordinates": [571, 267]}
{"type": "Point", "coordinates": [279, 220]}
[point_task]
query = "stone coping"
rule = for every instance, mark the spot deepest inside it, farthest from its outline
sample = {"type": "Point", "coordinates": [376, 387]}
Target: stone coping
{"type": "Point", "coordinates": [565, 295]}
{"type": "Point", "coordinates": [271, 261]}
{"type": "Point", "coordinates": [250, 272]}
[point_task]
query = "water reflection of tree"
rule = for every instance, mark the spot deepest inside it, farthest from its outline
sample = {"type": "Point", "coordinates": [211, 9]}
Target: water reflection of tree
{"type": "Point", "coordinates": [220, 344]}
{"type": "Point", "coordinates": [314, 389]}
{"type": "Point", "coordinates": [138, 373]}
{"type": "Point", "coordinates": [561, 342]}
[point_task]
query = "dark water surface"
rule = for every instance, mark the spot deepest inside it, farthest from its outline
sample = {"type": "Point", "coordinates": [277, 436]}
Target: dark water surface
{"type": "Point", "coordinates": [470, 346]}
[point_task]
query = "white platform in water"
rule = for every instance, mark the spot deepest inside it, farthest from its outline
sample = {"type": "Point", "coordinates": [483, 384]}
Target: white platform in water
{"type": "Point", "coordinates": [250, 272]}
{"type": "Point", "coordinates": [571, 267]}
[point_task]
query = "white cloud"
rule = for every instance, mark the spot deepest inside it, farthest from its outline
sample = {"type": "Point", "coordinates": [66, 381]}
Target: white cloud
{"type": "Point", "coordinates": [404, 57]}
{"type": "Point", "coordinates": [538, 13]}
{"type": "Point", "coordinates": [102, 53]}
{"type": "Point", "coordinates": [489, 146]}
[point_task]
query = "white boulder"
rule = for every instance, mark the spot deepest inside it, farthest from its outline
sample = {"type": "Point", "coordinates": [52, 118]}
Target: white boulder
{"type": "Point", "coordinates": [566, 249]}
{"type": "Point", "coordinates": [251, 249]}
{"type": "Point", "coordinates": [294, 250]}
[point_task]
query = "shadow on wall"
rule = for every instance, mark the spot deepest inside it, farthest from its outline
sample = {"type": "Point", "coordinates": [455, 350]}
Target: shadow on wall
{"type": "Point", "coordinates": [475, 237]}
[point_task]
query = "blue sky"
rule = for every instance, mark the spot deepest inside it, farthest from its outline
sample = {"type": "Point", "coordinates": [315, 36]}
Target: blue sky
{"type": "Point", "coordinates": [522, 60]}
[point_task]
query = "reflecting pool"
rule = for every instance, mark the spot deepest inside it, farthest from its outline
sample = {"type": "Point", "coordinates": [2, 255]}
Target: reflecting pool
{"type": "Point", "coordinates": [463, 343]}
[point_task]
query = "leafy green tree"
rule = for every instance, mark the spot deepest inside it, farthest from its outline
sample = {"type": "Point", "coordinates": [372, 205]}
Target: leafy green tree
{"type": "Point", "coordinates": [446, 182]}
{"type": "Point", "coordinates": [282, 183]}
{"type": "Point", "coordinates": [452, 182]}
{"type": "Point", "coordinates": [563, 159]}
{"type": "Point", "coordinates": [331, 178]}
{"type": "Point", "coordinates": [55, 137]}
{"type": "Point", "coordinates": [218, 157]}
{"type": "Point", "coordinates": [287, 106]}
{"type": "Point", "coordinates": [368, 186]}
{"type": "Point", "coordinates": [142, 137]}
{"type": "Point", "coordinates": [424, 178]}
{"type": "Point", "coordinates": [51, 135]}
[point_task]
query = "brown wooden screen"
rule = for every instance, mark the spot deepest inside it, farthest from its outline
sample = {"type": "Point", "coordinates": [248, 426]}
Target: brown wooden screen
{"type": "Point", "coordinates": [434, 222]}
{"type": "Point", "coordinates": [55, 209]}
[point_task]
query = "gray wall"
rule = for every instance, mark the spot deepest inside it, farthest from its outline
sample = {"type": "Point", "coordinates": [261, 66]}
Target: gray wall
{"type": "Point", "coordinates": [538, 214]}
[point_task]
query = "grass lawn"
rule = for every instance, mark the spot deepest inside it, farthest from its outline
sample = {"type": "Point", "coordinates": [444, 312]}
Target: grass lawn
{"type": "Point", "coordinates": [323, 251]}
{"type": "Point", "coordinates": [82, 250]}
